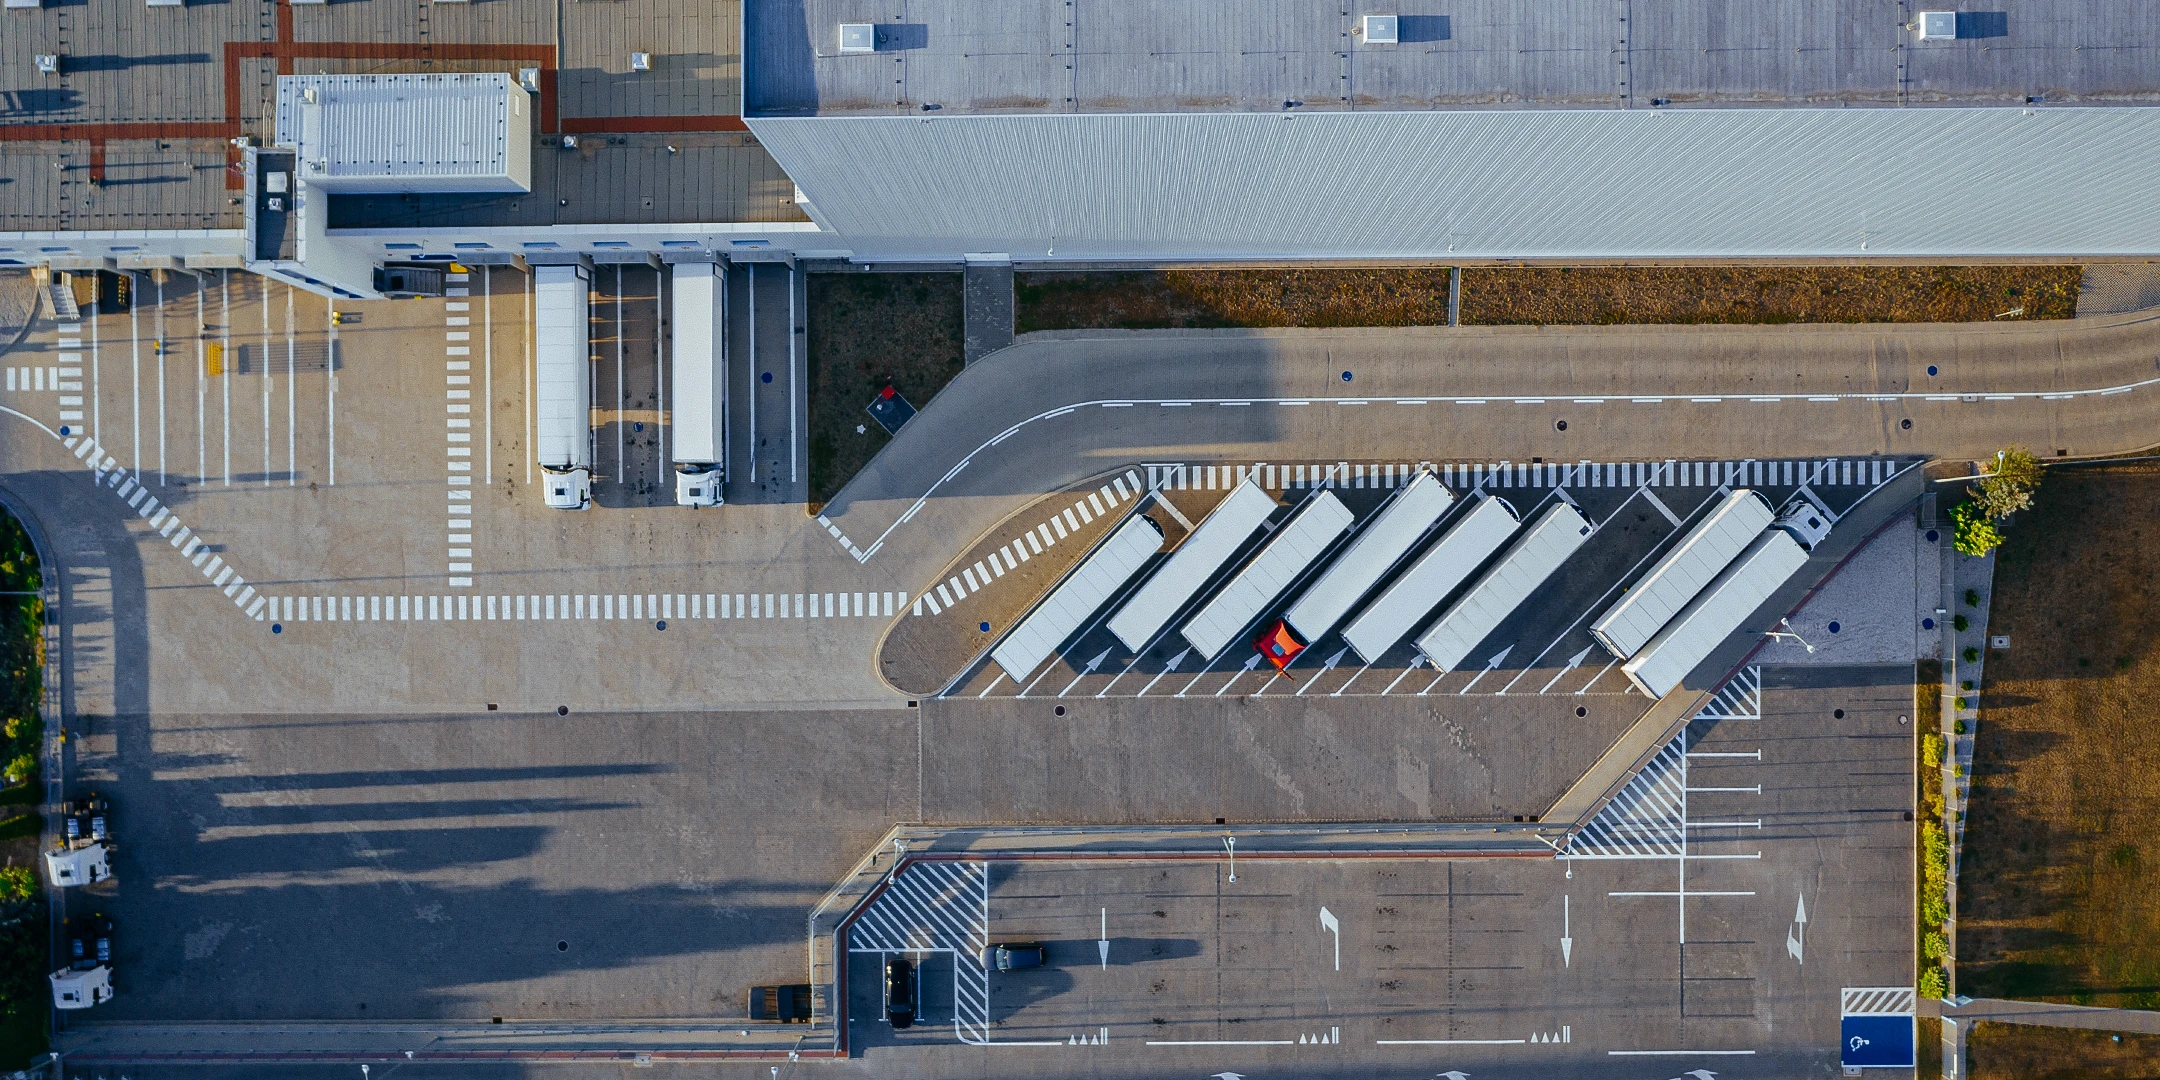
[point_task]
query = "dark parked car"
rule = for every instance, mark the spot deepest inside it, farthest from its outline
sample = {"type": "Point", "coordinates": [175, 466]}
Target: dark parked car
{"type": "Point", "coordinates": [1013, 955]}
{"type": "Point", "coordinates": [785, 1004]}
{"type": "Point", "coordinates": [900, 986]}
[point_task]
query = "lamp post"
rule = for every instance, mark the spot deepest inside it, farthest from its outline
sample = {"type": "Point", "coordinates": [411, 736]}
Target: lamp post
{"type": "Point", "coordinates": [1788, 633]}
{"type": "Point", "coordinates": [1230, 842]}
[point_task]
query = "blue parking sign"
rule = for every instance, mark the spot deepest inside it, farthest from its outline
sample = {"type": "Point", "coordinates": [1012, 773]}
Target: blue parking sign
{"type": "Point", "coordinates": [1877, 1041]}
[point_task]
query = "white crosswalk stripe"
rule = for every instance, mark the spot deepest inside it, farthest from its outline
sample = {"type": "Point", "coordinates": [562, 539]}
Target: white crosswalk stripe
{"type": "Point", "coordinates": [937, 907]}
{"type": "Point", "coordinates": [1648, 819]}
{"type": "Point", "coordinates": [1289, 476]}
{"type": "Point", "coordinates": [971, 579]}
{"type": "Point", "coordinates": [585, 607]}
{"type": "Point", "coordinates": [457, 368]}
{"type": "Point", "coordinates": [136, 496]}
{"type": "Point", "coordinates": [1739, 699]}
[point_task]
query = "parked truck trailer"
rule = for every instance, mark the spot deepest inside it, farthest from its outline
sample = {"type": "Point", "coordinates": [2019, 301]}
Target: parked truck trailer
{"type": "Point", "coordinates": [698, 431]}
{"type": "Point", "coordinates": [562, 373]}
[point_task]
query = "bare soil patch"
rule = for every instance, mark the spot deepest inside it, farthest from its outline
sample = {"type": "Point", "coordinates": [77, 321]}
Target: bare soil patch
{"type": "Point", "coordinates": [1214, 299]}
{"type": "Point", "coordinates": [2028, 1052]}
{"type": "Point", "coordinates": [868, 331]}
{"type": "Point", "coordinates": [2059, 891]}
{"type": "Point", "coordinates": [1609, 295]}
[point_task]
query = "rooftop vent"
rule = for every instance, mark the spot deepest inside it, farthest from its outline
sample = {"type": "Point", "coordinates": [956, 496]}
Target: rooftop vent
{"type": "Point", "coordinates": [1382, 30]}
{"type": "Point", "coordinates": [166, 3]}
{"type": "Point", "coordinates": [857, 37]}
{"type": "Point", "coordinates": [641, 61]}
{"type": "Point", "coordinates": [529, 78]}
{"type": "Point", "coordinates": [1938, 26]}
{"type": "Point", "coordinates": [49, 63]}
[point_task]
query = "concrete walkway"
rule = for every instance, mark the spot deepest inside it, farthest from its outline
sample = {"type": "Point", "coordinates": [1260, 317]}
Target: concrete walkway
{"type": "Point", "coordinates": [1958, 1020]}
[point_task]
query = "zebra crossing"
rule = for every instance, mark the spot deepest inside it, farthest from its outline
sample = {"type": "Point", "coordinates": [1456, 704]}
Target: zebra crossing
{"type": "Point", "coordinates": [129, 489]}
{"type": "Point", "coordinates": [1648, 819]}
{"type": "Point", "coordinates": [1739, 699]}
{"type": "Point", "coordinates": [942, 907]}
{"type": "Point", "coordinates": [1044, 535]}
{"type": "Point", "coordinates": [64, 378]}
{"type": "Point", "coordinates": [457, 368]}
{"type": "Point", "coordinates": [576, 607]}
{"type": "Point", "coordinates": [1808, 472]}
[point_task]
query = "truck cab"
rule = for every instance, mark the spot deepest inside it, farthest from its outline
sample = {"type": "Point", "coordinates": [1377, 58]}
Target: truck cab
{"type": "Point", "coordinates": [567, 488]}
{"type": "Point", "coordinates": [81, 855]}
{"type": "Point", "coordinates": [697, 485]}
{"type": "Point", "coordinates": [87, 978]}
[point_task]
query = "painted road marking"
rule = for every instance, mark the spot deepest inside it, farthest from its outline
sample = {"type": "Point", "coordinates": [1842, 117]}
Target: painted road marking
{"type": "Point", "coordinates": [943, 907]}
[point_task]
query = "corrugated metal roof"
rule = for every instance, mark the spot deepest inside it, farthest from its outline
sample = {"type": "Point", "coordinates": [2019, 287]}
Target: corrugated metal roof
{"type": "Point", "coordinates": [1711, 183]}
{"type": "Point", "coordinates": [469, 132]}
{"type": "Point", "coordinates": [1369, 557]}
{"type": "Point", "coordinates": [1061, 613]}
{"type": "Point", "coordinates": [1542, 548]}
{"type": "Point", "coordinates": [1462, 549]}
{"type": "Point", "coordinates": [1708, 548]}
{"type": "Point", "coordinates": [1225, 529]}
{"type": "Point", "coordinates": [1319, 521]}
{"type": "Point", "coordinates": [561, 366]}
{"type": "Point", "coordinates": [1708, 619]}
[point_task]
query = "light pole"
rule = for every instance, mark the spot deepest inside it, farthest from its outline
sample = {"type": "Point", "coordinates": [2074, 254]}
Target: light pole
{"type": "Point", "coordinates": [1788, 633]}
{"type": "Point", "coordinates": [1230, 842]}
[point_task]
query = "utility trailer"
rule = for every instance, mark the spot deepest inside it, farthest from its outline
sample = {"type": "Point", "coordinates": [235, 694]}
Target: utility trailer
{"type": "Point", "coordinates": [1408, 515]}
{"type": "Point", "coordinates": [1059, 616]}
{"type": "Point", "coordinates": [562, 370]}
{"type": "Point", "coordinates": [1193, 564]}
{"type": "Point", "coordinates": [1461, 549]}
{"type": "Point", "coordinates": [1707, 549]}
{"type": "Point", "coordinates": [1723, 605]}
{"type": "Point", "coordinates": [1558, 533]}
{"type": "Point", "coordinates": [697, 433]}
{"type": "Point", "coordinates": [1312, 527]}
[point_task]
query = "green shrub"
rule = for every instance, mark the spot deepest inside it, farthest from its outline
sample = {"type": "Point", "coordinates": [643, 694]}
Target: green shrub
{"type": "Point", "coordinates": [1972, 598]}
{"type": "Point", "coordinates": [1958, 727]}
{"type": "Point", "coordinates": [1961, 624]}
{"type": "Point", "coordinates": [1971, 655]}
{"type": "Point", "coordinates": [1971, 531]}
{"type": "Point", "coordinates": [17, 883]}
{"type": "Point", "coordinates": [22, 767]}
{"type": "Point", "coordinates": [1933, 946]}
{"type": "Point", "coordinates": [1933, 983]}
{"type": "Point", "coordinates": [1931, 748]}
{"type": "Point", "coordinates": [2008, 485]}
{"type": "Point", "coordinates": [1966, 685]}
{"type": "Point", "coordinates": [1962, 703]}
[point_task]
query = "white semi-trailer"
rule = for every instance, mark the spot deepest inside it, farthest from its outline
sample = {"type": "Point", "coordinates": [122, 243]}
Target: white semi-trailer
{"type": "Point", "coordinates": [1193, 564]}
{"type": "Point", "coordinates": [1715, 613]}
{"type": "Point", "coordinates": [1708, 548]}
{"type": "Point", "coordinates": [1431, 577]}
{"type": "Point", "coordinates": [698, 431]}
{"type": "Point", "coordinates": [1376, 550]}
{"type": "Point", "coordinates": [562, 374]}
{"type": "Point", "coordinates": [1106, 569]}
{"type": "Point", "coordinates": [1317, 522]}
{"type": "Point", "coordinates": [1535, 555]}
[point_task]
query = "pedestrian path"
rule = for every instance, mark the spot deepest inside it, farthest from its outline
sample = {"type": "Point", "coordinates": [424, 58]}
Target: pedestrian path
{"type": "Point", "coordinates": [937, 907]}
{"type": "Point", "coordinates": [1739, 699]}
{"type": "Point", "coordinates": [1647, 819]}
{"type": "Point", "coordinates": [587, 607]}
{"type": "Point", "coordinates": [129, 489]}
{"type": "Point", "coordinates": [64, 378]}
{"type": "Point", "coordinates": [1044, 535]}
{"type": "Point", "coordinates": [457, 367]}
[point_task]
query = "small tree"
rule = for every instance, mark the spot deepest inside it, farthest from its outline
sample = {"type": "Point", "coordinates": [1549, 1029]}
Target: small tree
{"type": "Point", "coordinates": [1971, 532]}
{"type": "Point", "coordinates": [2008, 487]}
{"type": "Point", "coordinates": [22, 768]}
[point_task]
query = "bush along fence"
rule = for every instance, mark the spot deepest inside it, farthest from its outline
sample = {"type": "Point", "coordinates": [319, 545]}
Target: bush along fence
{"type": "Point", "coordinates": [25, 929]}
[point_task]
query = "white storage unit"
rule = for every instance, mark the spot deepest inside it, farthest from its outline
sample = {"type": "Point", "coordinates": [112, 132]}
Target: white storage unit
{"type": "Point", "coordinates": [697, 429]}
{"type": "Point", "coordinates": [1461, 550]}
{"type": "Point", "coordinates": [1715, 613]}
{"type": "Point", "coordinates": [562, 435]}
{"type": "Point", "coordinates": [416, 133]}
{"type": "Point", "coordinates": [1382, 544]}
{"type": "Point", "coordinates": [1709, 547]}
{"type": "Point", "coordinates": [1218, 537]}
{"type": "Point", "coordinates": [1547, 543]}
{"type": "Point", "coordinates": [1059, 616]}
{"type": "Point", "coordinates": [1309, 531]}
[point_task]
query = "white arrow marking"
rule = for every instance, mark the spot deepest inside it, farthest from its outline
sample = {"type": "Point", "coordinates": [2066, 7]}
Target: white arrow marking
{"type": "Point", "coordinates": [1451, 1074]}
{"type": "Point", "coordinates": [1174, 662]}
{"type": "Point", "coordinates": [1249, 665]}
{"type": "Point", "coordinates": [1102, 945]}
{"type": "Point", "coordinates": [1574, 662]}
{"type": "Point", "coordinates": [1227, 1076]}
{"type": "Point", "coordinates": [1567, 941]}
{"type": "Point", "coordinates": [1326, 666]}
{"type": "Point", "coordinates": [1496, 661]}
{"type": "Point", "coordinates": [1328, 923]}
{"type": "Point", "coordinates": [1796, 937]}
{"type": "Point", "coordinates": [1086, 671]}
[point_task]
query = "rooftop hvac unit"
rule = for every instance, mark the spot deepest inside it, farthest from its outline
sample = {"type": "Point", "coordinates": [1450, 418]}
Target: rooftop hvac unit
{"type": "Point", "coordinates": [1382, 29]}
{"type": "Point", "coordinates": [641, 61]}
{"type": "Point", "coordinates": [1938, 26]}
{"type": "Point", "coordinates": [165, 3]}
{"type": "Point", "coordinates": [858, 37]}
{"type": "Point", "coordinates": [49, 63]}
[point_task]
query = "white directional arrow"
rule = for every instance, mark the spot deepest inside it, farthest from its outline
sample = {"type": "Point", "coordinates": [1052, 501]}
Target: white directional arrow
{"type": "Point", "coordinates": [1102, 945]}
{"type": "Point", "coordinates": [1227, 1076]}
{"type": "Point", "coordinates": [1249, 665]}
{"type": "Point", "coordinates": [1172, 666]}
{"type": "Point", "coordinates": [1329, 923]}
{"type": "Point", "coordinates": [1574, 662]}
{"type": "Point", "coordinates": [1567, 941]}
{"type": "Point", "coordinates": [1086, 671]}
{"type": "Point", "coordinates": [1498, 659]}
{"type": "Point", "coordinates": [1451, 1074]}
{"type": "Point", "coordinates": [1326, 666]}
{"type": "Point", "coordinates": [1796, 937]}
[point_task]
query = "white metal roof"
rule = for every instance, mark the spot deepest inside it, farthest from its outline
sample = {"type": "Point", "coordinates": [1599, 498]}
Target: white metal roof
{"type": "Point", "coordinates": [85, 865]}
{"type": "Point", "coordinates": [1461, 550]}
{"type": "Point", "coordinates": [699, 342]}
{"type": "Point", "coordinates": [1219, 536]}
{"type": "Point", "coordinates": [1604, 183]}
{"type": "Point", "coordinates": [1318, 521]}
{"type": "Point", "coordinates": [561, 358]}
{"type": "Point", "coordinates": [1709, 547]}
{"type": "Point", "coordinates": [1108, 567]}
{"type": "Point", "coordinates": [1714, 614]}
{"type": "Point", "coordinates": [462, 132]}
{"type": "Point", "coordinates": [1369, 557]}
{"type": "Point", "coordinates": [1535, 555]}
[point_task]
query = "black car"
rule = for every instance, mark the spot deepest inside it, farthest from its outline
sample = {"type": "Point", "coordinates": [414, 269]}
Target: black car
{"type": "Point", "coordinates": [1012, 955]}
{"type": "Point", "coordinates": [900, 986]}
{"type": "Point", "coordinates": [788, 1004]}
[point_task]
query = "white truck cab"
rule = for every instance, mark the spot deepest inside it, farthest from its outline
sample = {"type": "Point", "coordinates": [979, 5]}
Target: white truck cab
{"type": "Point", "coordinates": [697, 485]}
{"type": "Point", "coordinates": [85, 865]}
{"type": "Point", "coordinates": [567, 488]}
{"type": "Point", "coordinates": [72, 989]}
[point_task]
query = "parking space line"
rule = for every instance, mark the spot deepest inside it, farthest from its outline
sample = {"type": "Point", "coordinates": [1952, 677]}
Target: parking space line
{"type": "Point", "coordinates": [225, 364]}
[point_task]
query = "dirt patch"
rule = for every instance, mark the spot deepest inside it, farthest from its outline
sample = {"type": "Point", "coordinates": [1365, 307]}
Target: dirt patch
{"type": "Point", "coordinates": [868, 331]}
{"type": "Point", "coordinates": [2027, 1052]}
{"type": "Point", "coordinates": [2059, 891]}
{"type": "Point", "coordinates": [1213, 299]}
{"type": "Point", "coordinates": [1772, 294]}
